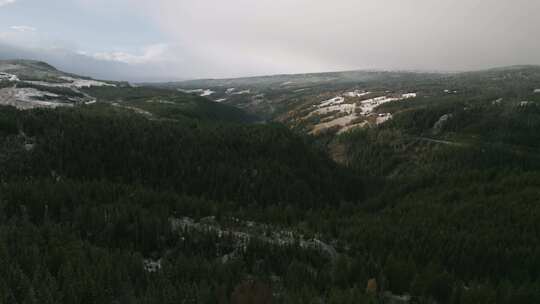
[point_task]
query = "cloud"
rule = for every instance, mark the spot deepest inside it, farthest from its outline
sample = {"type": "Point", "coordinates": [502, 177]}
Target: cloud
{"type": "Point", "coordinates": [6, 2]}
{"type": "Point", "coordinates": [23, 28]}
{"type": "Point", "coordinates": [211, 38]}
{"type": "Point", "coordinates": [85, 64]}
{"type": "Point", "coordinates": [267, 36]}
{"type": "Point", "coordinates": [150, 54]}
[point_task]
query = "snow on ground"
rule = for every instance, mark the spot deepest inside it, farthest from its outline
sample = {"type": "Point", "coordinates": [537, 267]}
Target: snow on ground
{"type": "Point", "coordinates": [207, 92]}
{"type": "Point", "coordinates": [191, 91]}
{"type": "Point", "coordinates": [73, 83]}
{"type": "Point", "coordinates": [85, 83]}
{"type": "Point", "coordinates": [28, 98]}
{"type": "Point", "coordinates": [9, 67]}
{"type": "Point", "coordinates": [230, 91]}
{"type": "Point", "coordinates": [497, 101]}
{"type": "Point", "coordinates": [8, 77]}
{"type": "Point", "coordinates": [369, 105]}
{"type": "Point", "coordinates": [200, 92]}
{"type": "Point", "coordinates": [337, 122]}
{"type": "Point", "coordinates": [30, 93]}
{"type": "Point", "coordinates": [160, 101]}
{"type": "Point", "coordinates": [331, 102]}
{"type": "Point", "coordinates": [353, 126]}
{"type": "Point", "coordinates": [356, 94]}
{"type": "Point", "coordinates": [242, 92]}
{"type": "Point", "coordinates": [537, 91]}
{"type": "Point", "coordinates": [367, 108]}
{"type": "Point", "coordinates": [221, 100]}
{"type": "Point", "coordinates": [243, 232]}
{"type": "Point", "coordinates": [343, 108]}
{"type": "Point", "coordinates": [409, 95]}
{"type": "Point", "coordinates": [384, 117]}
{"type": "Point", "coordinates": [134, 109]}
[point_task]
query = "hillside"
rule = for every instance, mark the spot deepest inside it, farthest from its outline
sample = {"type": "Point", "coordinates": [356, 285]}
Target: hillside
{"type": "Point", "coordinates": [27, 84]}
{"type": "Point", "coordinates": [337, 102]}
{"type": "Point", "coordinates": [426, 193]}
{"type": "Point", "coordinates": [450, 164]}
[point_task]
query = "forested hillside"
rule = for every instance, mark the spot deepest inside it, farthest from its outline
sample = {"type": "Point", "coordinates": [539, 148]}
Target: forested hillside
{"type": "Point", "coordinates": [98, 184]}
{"type": "Point", "coordinates": [151, 195]}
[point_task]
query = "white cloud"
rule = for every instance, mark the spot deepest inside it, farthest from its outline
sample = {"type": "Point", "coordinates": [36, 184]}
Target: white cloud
{"type": "Point", "coordinates": [212, 38]}
{"type": "Point", "coordinates": [23, 28]}
{"type": "Point", "coordinates": [149, 54]}
{"type": "Point", "coordinates": [6, 2]}
{"type": "Point", "coordinates": [268, 36]}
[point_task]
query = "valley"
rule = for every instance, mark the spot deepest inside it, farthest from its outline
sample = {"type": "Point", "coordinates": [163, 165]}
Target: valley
{"type": "Point", "coordinates": [346, 187]}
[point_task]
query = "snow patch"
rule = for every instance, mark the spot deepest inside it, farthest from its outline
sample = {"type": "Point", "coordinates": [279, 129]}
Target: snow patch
{"type": "Point", "coordinates": [134, 109]}
{"type": "Point", "coordinates": [337, 122]}
{"type": "Point", "coordinates": [342, 108]}
{"type": "Point", "coordinates": [498, 101]}
{"type": "Point", "coordinates": [382, 118]}
{"type": "Point", "coordinates": [356, 93]}
{"type": "Point", "coordinates": [191, 91]}
{"type": "Point", "coordinates": [8, 77]}
{"type": "Point", "coordinates": [29, 98]}
{"type": "Point", "coordinates": [207, 92]}
{"type": "Point", "coordinates": [221, 100]}
{"type": "Point", "coordinates": [242, 92]}
{"type": "Point", "coordinates": [331, 102]}
{"type": "Point", "coordinates": [353, 126]}
{"type": "Point", "coordinates": [160, 101]}
{"type": "Point", "coordinates": [73, 83]}
{"type": "Point", "coordinates": [368, 106]}
{"type": "Point", "coordinates": [439, 125]}
{"type": "Point", "coordinates": [200, 92]}
{"type": "Point", "coordinates": [409, 95]}
{"type": "Point", "coordinates": [354, 111]}
{"type": "Point", "coordinates": [85, 83]}
{"type": "Point", "coordinates": [243, 232]}
{"type": "Point", "coordinates": [537, 91]}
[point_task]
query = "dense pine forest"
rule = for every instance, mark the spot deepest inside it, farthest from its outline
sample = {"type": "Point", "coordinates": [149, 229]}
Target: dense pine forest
{"type": "Point", "coordinates": [197, 202]}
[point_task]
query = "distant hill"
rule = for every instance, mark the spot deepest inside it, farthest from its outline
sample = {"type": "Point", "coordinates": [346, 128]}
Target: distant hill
{"type": "Point", "coordinates": [27, 84]}
{"type": "Point", "coordinates": [341, 101]}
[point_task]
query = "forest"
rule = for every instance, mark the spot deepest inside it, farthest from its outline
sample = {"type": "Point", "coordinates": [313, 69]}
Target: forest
{"type": "Point", "coordinates": [101, 205]}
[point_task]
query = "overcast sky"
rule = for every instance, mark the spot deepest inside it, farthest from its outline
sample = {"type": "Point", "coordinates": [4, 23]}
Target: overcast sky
{"type": "Point", "coordinates": [179, 39]}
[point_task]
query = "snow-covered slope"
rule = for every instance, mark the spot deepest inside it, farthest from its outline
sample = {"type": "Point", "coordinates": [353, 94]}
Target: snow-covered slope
{"type": "Point", "coordinates": [28, 84]}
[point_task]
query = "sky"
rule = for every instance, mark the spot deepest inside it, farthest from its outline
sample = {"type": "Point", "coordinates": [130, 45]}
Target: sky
{"type": "Point", "coordinates": [161, 40]}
